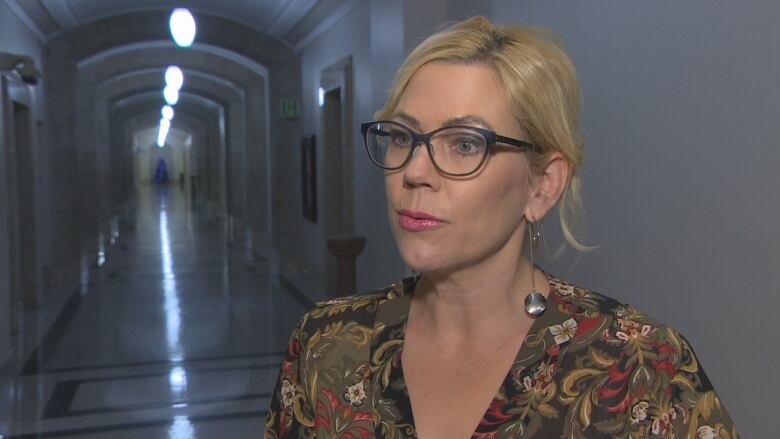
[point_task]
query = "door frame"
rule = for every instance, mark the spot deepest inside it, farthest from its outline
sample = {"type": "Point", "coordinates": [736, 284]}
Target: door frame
{"type": "Point", "coordinates": [339, 76]}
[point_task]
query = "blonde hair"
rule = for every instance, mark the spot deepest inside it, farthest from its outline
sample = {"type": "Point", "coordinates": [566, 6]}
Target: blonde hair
{"type": "Point", "coordinates": [541, 87]}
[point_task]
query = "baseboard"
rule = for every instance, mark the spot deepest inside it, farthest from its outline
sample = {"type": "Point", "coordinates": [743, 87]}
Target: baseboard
{"type": "Point", "coordinates": [51, 338]}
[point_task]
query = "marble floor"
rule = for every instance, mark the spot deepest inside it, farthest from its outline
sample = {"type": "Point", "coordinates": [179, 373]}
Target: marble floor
{"type": "Point", "coordinates": [176, 334]}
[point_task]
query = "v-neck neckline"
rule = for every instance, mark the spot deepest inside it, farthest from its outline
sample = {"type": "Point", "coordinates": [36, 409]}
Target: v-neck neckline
{"type": "Point", "coordinates": [525, 357]}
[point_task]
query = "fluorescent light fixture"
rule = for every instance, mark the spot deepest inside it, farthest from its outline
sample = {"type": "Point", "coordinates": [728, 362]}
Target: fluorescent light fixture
{"type": "Point", "coordinates": [174, 77]}
{"type": "Point", "coordinates": [167, 112]}
{"type": "Point", "coordinates": [165, 126]}
{"type": "Point", "coordinates": [183, 27]}
{"type": "Point", "coordinates": [321, 96]}
{"type": "Point", "coordinates": [171, 95]}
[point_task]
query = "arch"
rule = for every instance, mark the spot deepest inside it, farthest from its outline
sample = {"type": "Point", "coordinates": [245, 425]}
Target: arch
{"type": "Point", "coordinates": [196, 122]}
{"type": "Point", "coordinates": [238, 58]}
{"type": "Point", "coordinates": [241, 92]}
{"type": "Point", "coordinates": [120, 38]}
{"type": "Point", "coordinates": [224, 96]}
{"type": "Point", "coordinates": [130, 75]}
{"type": "Point", "coordinates": [146, 103]}
{"type": "Point", "coordinates": [250, 103]}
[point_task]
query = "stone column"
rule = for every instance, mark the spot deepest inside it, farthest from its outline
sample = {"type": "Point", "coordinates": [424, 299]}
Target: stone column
{"type": "Point", "coordinates": [346, 249]}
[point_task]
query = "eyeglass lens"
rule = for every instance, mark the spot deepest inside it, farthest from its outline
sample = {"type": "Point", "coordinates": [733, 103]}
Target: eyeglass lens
{"type": "Point", "coordinates": [456, 150]}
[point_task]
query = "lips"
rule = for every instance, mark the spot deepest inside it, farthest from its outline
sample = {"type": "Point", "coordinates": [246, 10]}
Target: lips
{"type": "Point", "coordinates": [418, 221]}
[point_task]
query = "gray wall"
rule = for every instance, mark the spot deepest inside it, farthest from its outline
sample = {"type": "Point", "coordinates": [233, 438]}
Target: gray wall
{"type": "Point", "coordinates": [15, 37]}
{"type": "Point", "coordinates": [681, 118]}
{"type": "Point", "coordinates": [351, 36]}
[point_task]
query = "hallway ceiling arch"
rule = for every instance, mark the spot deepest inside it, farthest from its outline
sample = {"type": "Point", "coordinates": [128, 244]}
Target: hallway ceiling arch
{"type": "Point", "coordinates": [194, 122]}
{"type": "Point", "coordinates": [291, 21]}
{"type": "Point", "coordinates": [145, 80]}
{"type": "Point", "coordinates": [206, 75]}
{"type": "Point", "coordinates": [153, 96]}
{"type": "Point", "coordinates": [146, 117]}
{"type": "Point", "coordinates": [120, 81]}
{"type": "Point", "coordinates": [171, 49]}
{"type": "Point", "coordinates": [147, 103]}
{"type": "Point", "coordinates": [147, 137]}
{"type": "Point", "coordinates": [145, 106]}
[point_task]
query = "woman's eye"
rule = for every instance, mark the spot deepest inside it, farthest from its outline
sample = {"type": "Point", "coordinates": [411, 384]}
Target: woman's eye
{"type": "Point", "coordinates": [468, 145]}
{"type": "Point", "coordinates": [400, 138]}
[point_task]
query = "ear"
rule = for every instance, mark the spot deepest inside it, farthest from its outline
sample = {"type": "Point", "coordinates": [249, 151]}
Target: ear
{"type": "Point", "coordinates": [547, 187]}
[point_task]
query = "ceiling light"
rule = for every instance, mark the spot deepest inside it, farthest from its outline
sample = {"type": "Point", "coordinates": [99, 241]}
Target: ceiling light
{"type": "Point", "coordinates": [183, 27]}
{"type": "Point", "coordinates": [161, 138]}
{"type": "Point", "coordinates": [165, 126]}
{"type": "Point", "coordinates": [171, 95]}
{"type": "Point", "coordinates": [167, 112]}
{"type": "Point", "coordinates": [174, 77]}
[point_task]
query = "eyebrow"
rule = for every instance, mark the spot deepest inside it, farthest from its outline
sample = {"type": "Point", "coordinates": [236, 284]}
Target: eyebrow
{"type": "Point", "coordinates": [468, 119]}
{"type": "Point", "coordinates": [407, 117]}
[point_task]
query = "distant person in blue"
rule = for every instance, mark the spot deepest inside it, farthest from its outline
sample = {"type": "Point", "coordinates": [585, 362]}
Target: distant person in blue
{"type": "Point", "coordinates": [161, 173]}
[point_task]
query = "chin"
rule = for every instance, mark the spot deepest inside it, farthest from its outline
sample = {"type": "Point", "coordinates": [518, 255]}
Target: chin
{"type": "Point", "coordinates": [417, 264]}
{"type": "Point", "coordinates": [424, 258]}
{"type": "Point", "coordinates": [425, 252]}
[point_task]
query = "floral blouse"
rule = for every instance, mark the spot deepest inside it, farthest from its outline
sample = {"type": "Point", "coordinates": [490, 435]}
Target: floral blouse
{"type": "Point", "coordinates": [590, 367]}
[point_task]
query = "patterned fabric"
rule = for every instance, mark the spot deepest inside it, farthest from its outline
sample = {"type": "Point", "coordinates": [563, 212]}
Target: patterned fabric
{"type": "Point", "coordinates": [590, 367]}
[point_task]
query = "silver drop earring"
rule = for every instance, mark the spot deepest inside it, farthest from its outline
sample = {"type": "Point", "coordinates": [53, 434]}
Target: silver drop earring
{"type": "Point", "coordinates": [535, 303]}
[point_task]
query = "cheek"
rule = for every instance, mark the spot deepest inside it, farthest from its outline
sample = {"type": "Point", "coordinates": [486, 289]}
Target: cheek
{"type": "Point", "coordinates": [392, 187]}
{"type": "Point", "coordinates": [500, 200]}
{"type": "Point", "coordinates": [496, 212]}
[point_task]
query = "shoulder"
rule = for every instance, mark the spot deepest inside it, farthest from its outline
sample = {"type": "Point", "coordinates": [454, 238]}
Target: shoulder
{"type": "Point", "coordinates": [641, 375]}
{"type": "Point", "coordinates": [608, 325]}
{"type": "Point", "coordinates": [590, 307]}
{"type": "Point", "coordinates": [359, 308]}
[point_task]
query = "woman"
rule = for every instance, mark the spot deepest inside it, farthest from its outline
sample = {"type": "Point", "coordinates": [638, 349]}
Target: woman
{"type": "Point", "coordinates": [479, 140]}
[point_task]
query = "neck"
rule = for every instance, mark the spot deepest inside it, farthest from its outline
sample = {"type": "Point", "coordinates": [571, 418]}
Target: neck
{"type": "Point", "coordinates": [484, 300]}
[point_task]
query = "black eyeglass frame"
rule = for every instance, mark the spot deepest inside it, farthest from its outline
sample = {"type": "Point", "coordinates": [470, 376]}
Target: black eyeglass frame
{"type": "Point", "coordinates": [491, 139]}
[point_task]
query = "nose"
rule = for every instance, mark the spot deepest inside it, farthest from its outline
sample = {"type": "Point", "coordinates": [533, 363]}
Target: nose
{"type": "Point", "coordinates": [420, 169]}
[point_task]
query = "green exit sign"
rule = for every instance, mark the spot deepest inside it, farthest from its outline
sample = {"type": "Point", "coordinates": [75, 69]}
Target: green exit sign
{"type": "Point", "coordinates": [290, 108]}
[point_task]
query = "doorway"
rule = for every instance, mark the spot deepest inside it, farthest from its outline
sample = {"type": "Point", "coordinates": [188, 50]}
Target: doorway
{"type": "Point", "coordinates": [337, 180]}
{"type": "Point", "coordinates": [336, 125]}
{"type": "Point", "coordinates": [333, 144]}
{"type": "Point", "coordinates": [20, 211]}
{"type": "Point", "coordinates": [23, 201]}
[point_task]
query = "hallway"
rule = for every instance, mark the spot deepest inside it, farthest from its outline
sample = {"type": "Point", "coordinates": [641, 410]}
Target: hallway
{"type": "Point", "coordinates": [177, 335]}
{"type": "Point", "coordinates": [128, 310]}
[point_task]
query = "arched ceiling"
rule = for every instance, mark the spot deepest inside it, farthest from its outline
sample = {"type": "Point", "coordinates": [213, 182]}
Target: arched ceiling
{"type": "Point", "coordinates": [147, 138]}
{"type": "Point", "coordinates": [185, 99]}
{"type": "Point", "coordinates": [146, 105]}
{"type": "Point", "coordinates": [291, 21]}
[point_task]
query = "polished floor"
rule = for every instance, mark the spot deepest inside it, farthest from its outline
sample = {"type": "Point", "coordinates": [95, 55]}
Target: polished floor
{"type": "Point", "coordinates": [176, 333]}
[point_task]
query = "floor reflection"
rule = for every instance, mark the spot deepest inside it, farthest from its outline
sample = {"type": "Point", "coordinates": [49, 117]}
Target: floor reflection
{"type": "Point", "coordinates": [179, 334]}
{"type": "Point", "coordinates": [181, 428]}
{"type": "Point", "coordinates": [172, 309]}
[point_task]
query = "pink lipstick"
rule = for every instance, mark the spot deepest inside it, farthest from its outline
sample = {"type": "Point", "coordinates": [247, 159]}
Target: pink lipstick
{"type": "Point", "coordinates": [417, 221]}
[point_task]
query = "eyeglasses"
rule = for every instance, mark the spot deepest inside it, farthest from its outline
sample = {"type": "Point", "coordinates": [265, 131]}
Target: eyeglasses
{"type": "Point", "coordinates": [456, 150]}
